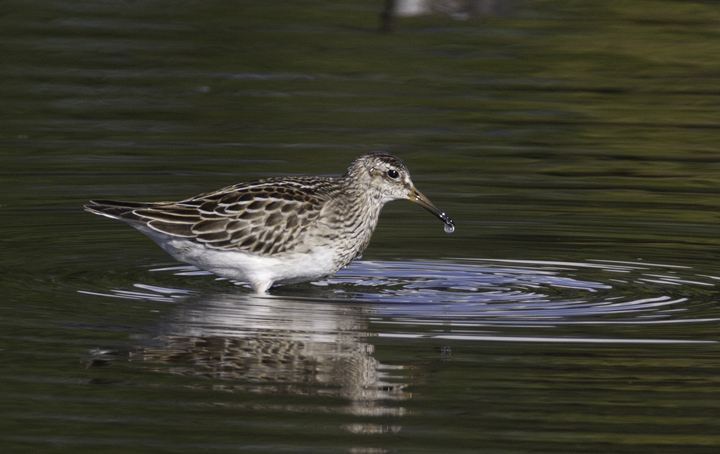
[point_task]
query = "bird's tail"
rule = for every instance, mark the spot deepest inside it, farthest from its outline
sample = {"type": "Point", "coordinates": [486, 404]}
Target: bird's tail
{"type": "Point", "coordinates": [124, 211]}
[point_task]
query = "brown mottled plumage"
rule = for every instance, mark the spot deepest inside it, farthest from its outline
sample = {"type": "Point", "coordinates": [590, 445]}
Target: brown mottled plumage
{"type": "Point", "coordinates": [279, 230]}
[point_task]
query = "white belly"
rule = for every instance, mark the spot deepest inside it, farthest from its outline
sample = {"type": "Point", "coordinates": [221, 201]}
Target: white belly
{"type": "Point", "coordinates": [259, 271]}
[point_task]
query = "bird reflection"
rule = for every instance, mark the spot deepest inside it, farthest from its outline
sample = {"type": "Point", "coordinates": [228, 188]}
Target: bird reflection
{"type": "Point", "coordinates": [274, 345]}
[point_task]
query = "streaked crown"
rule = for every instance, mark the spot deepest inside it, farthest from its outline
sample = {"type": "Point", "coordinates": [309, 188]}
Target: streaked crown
{"type": "Point", "coordinates": [385, 175]}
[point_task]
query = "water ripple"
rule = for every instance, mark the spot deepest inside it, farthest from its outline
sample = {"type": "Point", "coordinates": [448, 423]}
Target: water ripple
{"type": "Point", "coordinates": [475, 300]}
{"type": "Point", "coordinates": [538, 291]}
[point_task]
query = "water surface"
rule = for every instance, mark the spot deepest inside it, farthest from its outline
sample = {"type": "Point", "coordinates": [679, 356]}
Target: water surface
{"type": "Point", "coordinates": [574, 309]}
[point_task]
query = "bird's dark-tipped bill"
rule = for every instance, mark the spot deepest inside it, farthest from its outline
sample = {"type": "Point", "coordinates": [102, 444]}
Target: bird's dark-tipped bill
{"type": "Point", "coordinates": [417, 197]}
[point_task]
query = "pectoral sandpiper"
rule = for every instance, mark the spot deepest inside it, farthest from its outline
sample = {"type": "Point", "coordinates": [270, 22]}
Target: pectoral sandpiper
{"type": "Point", "coordinates": [280, 230]}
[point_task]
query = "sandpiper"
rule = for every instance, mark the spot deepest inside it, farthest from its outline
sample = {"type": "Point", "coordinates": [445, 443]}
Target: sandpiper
{"type": "Point", "coordinates": [279, 230]}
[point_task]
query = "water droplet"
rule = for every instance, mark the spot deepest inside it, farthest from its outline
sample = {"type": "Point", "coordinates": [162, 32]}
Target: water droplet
{"type": "Point", "coordinates": [449, 228]}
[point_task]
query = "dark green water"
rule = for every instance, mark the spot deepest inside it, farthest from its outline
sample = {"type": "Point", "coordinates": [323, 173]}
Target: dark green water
{"type": "Point", "coordinates": [575, 308]}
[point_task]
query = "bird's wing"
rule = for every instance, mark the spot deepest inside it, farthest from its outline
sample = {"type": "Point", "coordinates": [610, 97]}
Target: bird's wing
{"type": "Point", "coordinates": [266, 217]}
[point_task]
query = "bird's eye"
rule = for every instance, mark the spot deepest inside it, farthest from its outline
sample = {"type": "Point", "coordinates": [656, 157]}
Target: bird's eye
{"type": "Point", "coordinates": [392, 173]}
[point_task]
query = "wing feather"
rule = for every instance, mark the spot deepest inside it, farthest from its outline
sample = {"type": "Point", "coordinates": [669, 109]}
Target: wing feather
{"type": "Point", "coordinates": [266, 217]}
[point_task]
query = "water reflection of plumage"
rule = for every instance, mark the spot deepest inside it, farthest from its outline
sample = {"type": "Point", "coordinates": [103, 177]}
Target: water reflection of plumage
{"type": "Point", "coordinates": [274, 345]}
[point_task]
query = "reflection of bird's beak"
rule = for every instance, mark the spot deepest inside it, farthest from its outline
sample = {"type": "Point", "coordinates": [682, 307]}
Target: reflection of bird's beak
{"type": "Point", "coordinates": [417, 197]}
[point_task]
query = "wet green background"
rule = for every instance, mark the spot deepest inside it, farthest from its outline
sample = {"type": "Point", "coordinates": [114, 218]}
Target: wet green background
{"type": "Point", "coordinates": [549, 130]}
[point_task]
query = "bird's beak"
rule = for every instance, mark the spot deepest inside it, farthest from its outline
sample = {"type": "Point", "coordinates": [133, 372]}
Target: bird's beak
{"type": "Point", "coordinates": [417, 197]}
